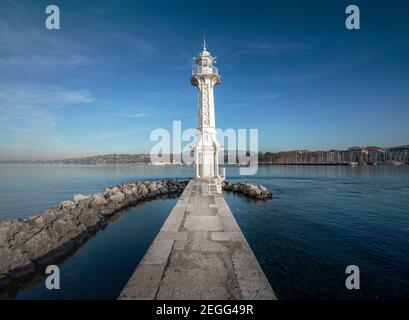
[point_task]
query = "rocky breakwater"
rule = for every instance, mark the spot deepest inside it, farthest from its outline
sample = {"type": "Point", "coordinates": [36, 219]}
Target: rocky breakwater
{"type": "Point", "coordinates": [251, 190]}
{"type": "Point", "coordinates": [31, 244]}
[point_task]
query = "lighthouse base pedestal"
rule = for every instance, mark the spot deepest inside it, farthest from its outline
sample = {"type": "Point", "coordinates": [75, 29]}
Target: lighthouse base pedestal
{"type": "Point", "coordinates": [209, 185]}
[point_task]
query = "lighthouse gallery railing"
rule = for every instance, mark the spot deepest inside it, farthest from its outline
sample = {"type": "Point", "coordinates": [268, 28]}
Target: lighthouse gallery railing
{"type": "Point", "coordinates": [204, 70]}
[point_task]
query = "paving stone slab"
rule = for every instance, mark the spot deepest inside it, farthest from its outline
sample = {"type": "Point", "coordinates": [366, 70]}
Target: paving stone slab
{"type": "Point", "coordinates": [207, 223]}
{"type": "Point", "coordinates": [172, 235]}
{"type": "Point", "coordinates": [227, 236]}
{"type": "Point", "coordinates": [143, 284]}
{"type": "Point", "coordinates": [158, 253]}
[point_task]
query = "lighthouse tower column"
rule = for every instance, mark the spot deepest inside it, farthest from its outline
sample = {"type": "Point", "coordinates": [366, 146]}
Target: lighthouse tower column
{"type": "Point", "coordinates": [205, 76]}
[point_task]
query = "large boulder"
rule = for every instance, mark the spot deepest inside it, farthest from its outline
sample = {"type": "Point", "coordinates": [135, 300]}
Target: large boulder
{"type": "Point", "coordinates": [67, 204]}
{"type": "Point", "coordinates": [263, 189]}
{"type": "Point", "coordinates": [4, 232]}
{"type": "Point", "coordinates": [89, 218]}
{"type": "Point", "coordinates": [163, 190]}
{"type": "Point", "coordinates": [13, 227]}
{"type": "Point", "coordinates": [49, 216]}
{"type": "Point", "coordinates": [41, 243]}
{"type": "Point", "coordinates": [12, 259]}
{"type": "Point", "coordinates": [78, 197]}
{"type": "Point", "coordinates": [98, 200]}
{"type": "Point", "coordinates": [151, 186]}
{"type": "Point", "coordinates": [19, 238]}
{"type": "Point", "coordinates": [127, 190]}
{"type": "Point", "coordinates": [142, 189]}
{"type": "Point", "coordinates": [117, 198]}
{"type": "Point", "coordinates": [249, 189]}
{"type": "Point", "coordinates": [113, 190]}
{"type": "Point", "coordinates": [39, 221]}
{"type": "Point", "coordinates": [64, 227]}
{"type": "Point", "coordinates": [134, 190]}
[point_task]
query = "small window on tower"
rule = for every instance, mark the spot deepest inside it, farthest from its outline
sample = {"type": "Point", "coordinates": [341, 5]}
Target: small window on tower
{"type": "Point", "coordinates": [204, 63]}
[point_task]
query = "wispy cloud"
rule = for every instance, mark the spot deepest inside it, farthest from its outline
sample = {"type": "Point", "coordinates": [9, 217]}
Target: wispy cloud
{"type": "Point", "coordinates": [139, 47]}
{"type": "Point", "coordinates": [300, 76]}
{"type": "Point", "coordinates": [256, 101]}
{"type": "Point", "coordinates": [26, 119]}
{"type": "Point", "coordinates": [26, 44]}
{"type": "Point", "coordinates": [133, 115]}
{"type": "Point", "coordinates": [267, 48]}
{"type": "Point", "coordinates": [39, 96]}
{"type": "Point", "coordinates": [325, 68]}
{"type": "Point", "coordinates": [105, 136]}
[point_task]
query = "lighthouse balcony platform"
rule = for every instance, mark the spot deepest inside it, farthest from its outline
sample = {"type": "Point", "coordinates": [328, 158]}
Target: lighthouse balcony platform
{"type": "Point", "coordinates": [199, 70]}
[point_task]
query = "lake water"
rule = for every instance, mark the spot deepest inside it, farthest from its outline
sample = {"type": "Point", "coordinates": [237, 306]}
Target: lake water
{"type": "Point", "coordinates": [321, 219]}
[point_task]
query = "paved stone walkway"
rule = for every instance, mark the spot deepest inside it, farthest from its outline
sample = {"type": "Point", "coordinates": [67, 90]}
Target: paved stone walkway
{"type": "Point", "coordinates": [200, 253]}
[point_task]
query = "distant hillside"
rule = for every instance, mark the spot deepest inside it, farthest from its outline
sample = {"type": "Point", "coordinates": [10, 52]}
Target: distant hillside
{"type": "Point", "coordinates": [100, 159]}
{"type": "Point", "coordinates": [365, 155]}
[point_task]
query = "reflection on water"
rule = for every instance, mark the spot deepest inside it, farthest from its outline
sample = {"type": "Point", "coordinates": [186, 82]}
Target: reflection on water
{"type": "Point", "coordinates": [100, 268]}
{"type": "Point", "coordinates": [321, 219]}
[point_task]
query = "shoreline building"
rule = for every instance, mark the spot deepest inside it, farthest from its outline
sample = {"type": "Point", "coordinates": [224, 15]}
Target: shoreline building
{"type": "Point", "coordinates": [370, 155]}
{"type": "Point", "coordinates": [205, 76]}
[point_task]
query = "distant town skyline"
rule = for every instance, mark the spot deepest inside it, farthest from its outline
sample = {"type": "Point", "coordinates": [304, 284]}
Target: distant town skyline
{"type": "Point", "coordinates": [119, 69]}
{"type": "Point", "coordinates": [370, 153]}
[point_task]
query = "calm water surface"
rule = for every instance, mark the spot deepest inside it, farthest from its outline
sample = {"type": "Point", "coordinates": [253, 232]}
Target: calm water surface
{"type": "Point", "coordinates": [320, 220]}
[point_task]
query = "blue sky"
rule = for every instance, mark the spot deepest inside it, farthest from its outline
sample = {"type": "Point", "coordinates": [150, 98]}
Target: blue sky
{"type": "Point", "coordinates": [119, 69]}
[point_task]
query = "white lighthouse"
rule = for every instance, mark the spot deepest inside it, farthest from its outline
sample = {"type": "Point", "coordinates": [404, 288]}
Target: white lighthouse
{"type": "Point", "coordinates": [205, 76]}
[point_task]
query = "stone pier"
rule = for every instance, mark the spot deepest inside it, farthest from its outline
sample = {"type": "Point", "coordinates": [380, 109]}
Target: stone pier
{"type": "Point", "coordinates": [199, 253]}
